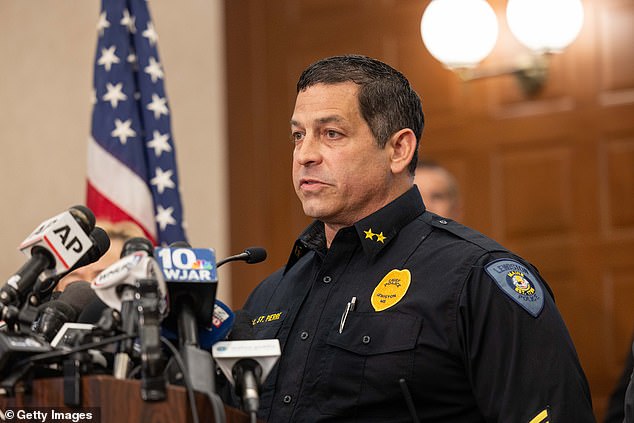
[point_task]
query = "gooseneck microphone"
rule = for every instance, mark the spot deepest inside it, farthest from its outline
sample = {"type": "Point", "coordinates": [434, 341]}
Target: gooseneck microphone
{"type": "Point", "coordinates": [251, 255]}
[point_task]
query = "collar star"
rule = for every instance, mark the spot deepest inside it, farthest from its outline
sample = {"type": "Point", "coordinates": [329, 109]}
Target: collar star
{"type": "Point", "coordinates": [369, 234]}
{"type": "Point", "coordinates": [380, 238]}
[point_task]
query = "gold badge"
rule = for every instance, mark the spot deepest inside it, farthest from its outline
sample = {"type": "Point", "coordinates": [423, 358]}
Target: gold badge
{"type": "Point", "coordinates": [391, 289]}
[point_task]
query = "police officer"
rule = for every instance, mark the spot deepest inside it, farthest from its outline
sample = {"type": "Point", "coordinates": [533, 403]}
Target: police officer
{"type": "Point", "coordinates": [389, 313]}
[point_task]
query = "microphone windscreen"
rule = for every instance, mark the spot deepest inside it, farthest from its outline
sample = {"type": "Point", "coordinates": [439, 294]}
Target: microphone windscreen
{"type": "Point", "coordinates": [65, 311]}
{"type": "Point", "coordinates": [101, 240]}
{"type": "Point", "coordinates": [84, 216]}
{"type": "Point", "coordinates": [92, 312]}
{"type": "Point", "coordinates": [135, 244]}
{"type": "Point", "coordinates": [51, 317]}
{"type": "Point", "coordinates": [78, 295]}
{"type": "Point", "coordinates": [256, 254]}
{"type": "Point", "coordinates": [53, 314]}
{"type": "Point", "coordinates": [242, 326]}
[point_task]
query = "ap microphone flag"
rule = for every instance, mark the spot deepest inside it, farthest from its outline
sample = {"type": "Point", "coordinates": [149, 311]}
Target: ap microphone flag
{"type": "Point", "coordinates": [131, 168]}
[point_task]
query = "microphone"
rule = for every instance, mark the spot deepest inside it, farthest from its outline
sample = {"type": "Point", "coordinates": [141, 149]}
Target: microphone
{"type": "Point", "coordinates": [52, 248]}
{"type": "Point", "coordinates": [251, 255]}
{"type": "Point", "coordinates": [92, 312]}
{"type": "Point", "coordinates": [101, 244]}
{"type": "Point", "coordinates": [65, 309]}
{"type": "Point", "coordinates": [117, 283]}
{"type": "Point", "coordinates": [191, 281]}
{"type": "Point", "coordinates": [246, 362]}
{"type": "Point", "coordinates": [221, 324]}
{"type": "Point", "coordinates": [190, 274]}
{"type": "Point", "coordinates": [118, 286]}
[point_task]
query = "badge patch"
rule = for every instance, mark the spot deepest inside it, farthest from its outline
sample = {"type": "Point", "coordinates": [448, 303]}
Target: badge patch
{"type": "Point", "coordinates": [517, 281]}
{"type": "Point", "coordinates": [391, 289]}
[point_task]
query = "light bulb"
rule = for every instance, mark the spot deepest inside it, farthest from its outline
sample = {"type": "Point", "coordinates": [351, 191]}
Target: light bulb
{"type": "Point", "coordinates": [545, 26]}
{"type": "Point", "coordinates": [459, 33]}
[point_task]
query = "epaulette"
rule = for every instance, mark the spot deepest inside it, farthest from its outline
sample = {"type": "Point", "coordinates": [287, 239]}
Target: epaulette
{"type": "Point", "coordinates": [464, 232]}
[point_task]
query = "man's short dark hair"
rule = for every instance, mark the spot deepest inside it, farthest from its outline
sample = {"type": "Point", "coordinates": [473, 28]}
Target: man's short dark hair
{"type": "Point", "coordinates": [387, 101]}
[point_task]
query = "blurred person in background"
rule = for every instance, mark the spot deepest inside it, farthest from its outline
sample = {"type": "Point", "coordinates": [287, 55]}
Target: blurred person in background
{"type": "Point", "coordinates": [439, 189]}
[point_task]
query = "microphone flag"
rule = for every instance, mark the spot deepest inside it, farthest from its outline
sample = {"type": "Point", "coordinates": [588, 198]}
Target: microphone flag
{"type": "Point", "coordinates": [131, 167]}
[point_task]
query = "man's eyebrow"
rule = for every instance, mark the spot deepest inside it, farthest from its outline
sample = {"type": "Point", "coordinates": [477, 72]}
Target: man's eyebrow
{"type": "Point", "coordinates": [322, 120]}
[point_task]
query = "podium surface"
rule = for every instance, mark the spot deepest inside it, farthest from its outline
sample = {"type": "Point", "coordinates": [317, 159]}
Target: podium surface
{"type": "Point", "coordinates": [116, 401]}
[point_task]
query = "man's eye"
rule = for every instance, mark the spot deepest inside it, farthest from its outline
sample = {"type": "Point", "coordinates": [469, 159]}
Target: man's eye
{"type": "Point", "coordinates": [331, 133]}
{"type": "Point", "coordinates": [296, 136]}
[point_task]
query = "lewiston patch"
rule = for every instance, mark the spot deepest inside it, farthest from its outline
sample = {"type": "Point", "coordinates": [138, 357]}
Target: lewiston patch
{"type": "Point", "coordinates": [391, 289]}
{"type": "Point", "coordinates": [517, 281]}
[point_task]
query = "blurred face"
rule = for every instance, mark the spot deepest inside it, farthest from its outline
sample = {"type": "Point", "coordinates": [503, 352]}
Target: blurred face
{"type": "Point", "coordinates": [88, 273]}
{"type": "Point", "coordinates": [435, 188]}
{"type": "Point", "coordinates": [339, 173]}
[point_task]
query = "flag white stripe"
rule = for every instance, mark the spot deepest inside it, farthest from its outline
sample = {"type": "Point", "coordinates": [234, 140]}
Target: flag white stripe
{"type": "Point", "coordinates": [122, 186]}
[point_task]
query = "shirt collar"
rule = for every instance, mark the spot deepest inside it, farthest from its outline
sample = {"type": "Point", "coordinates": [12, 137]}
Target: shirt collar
{"type": "Point", "coordinates": [375, 231]}
{"type": "Point", "coordinates": [381, 227]}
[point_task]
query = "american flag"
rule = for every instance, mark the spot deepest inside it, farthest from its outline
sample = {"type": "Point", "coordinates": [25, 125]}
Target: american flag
{"type": "Point", "coordinates": [131, 158]}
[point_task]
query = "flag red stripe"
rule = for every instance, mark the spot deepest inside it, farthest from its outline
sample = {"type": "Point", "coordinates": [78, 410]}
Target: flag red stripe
{"type": "Point", "coordinates": [104, 208]}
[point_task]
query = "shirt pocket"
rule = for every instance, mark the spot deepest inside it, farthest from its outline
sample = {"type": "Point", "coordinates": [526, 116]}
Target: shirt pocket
{"type": "Point", "coordinates": [364, 363]}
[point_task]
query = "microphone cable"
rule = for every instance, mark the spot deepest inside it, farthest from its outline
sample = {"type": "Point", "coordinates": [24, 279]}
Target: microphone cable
{"type": "Point", "coordinates": [189, 388]}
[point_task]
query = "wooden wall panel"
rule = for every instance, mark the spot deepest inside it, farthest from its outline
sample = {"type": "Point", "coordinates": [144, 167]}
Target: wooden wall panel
{"type": "Point", "coordinates": [617, 158]}
{"type": "Point", "coordinates": [617, 55]}
{"type": "Point", "coordinates": [533, 192]}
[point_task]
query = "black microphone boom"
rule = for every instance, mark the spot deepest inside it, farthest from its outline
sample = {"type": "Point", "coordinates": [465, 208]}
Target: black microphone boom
{"type": "Point", "coordinates": [251, 255]}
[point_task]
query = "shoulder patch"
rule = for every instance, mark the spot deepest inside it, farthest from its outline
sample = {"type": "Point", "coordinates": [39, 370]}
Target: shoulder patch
{"type": "Point", "coordinates": [519, 283]}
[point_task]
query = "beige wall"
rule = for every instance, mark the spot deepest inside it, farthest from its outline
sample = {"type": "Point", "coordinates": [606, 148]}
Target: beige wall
{"type": "Point", "coordinates": [46, 58]}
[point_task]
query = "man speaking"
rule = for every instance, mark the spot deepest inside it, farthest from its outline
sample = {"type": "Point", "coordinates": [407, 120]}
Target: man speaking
{"type": "Point", "coordinates": [386, 312]}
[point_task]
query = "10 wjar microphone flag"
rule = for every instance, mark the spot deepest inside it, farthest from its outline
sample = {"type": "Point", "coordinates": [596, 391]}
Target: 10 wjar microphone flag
{"type": "Point", "coordinates": [131, 172]}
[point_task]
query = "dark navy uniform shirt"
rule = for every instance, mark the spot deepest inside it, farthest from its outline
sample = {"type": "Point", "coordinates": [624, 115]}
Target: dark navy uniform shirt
{"type": "Point", "coordinates": [440, 311]}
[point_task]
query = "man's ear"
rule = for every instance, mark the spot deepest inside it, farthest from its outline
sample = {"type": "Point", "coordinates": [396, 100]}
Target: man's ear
{"type": "Point", "coordinates": [403, 146]}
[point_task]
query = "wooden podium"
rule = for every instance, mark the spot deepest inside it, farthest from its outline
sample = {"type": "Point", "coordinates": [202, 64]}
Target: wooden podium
{"type": "Point", "coordinates": [119, 401]}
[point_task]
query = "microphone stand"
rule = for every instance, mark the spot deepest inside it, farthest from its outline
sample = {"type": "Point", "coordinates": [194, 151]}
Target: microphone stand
{"type": "Point", "coordinates": [129, 318]}
{"type": "Point", "coordinates": [153, 383]}
{"type": "Point", "coordinates": [199, 364]}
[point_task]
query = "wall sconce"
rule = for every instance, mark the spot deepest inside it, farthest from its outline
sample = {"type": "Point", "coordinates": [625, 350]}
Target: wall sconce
{"type": "Point", "coordinates": [461, 33]}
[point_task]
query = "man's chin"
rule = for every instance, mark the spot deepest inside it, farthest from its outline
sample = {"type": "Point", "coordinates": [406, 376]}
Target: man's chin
{"type": "Point", "coordinates": [314, 211]}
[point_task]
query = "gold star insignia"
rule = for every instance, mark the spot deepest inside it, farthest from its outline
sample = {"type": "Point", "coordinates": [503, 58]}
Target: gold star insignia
{"type": "Point", "coordinates": [380, 238]}
{"type": "Point", "coordinates": [369, 234]}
